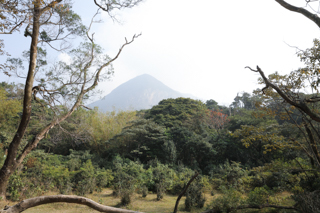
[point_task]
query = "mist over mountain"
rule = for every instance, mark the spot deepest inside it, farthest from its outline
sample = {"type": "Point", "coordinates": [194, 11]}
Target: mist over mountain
{"type": "Point", "coordinates": [141, 92]}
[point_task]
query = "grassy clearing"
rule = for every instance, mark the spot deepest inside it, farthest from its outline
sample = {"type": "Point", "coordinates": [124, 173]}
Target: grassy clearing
{"type": "Point", "coordinates": [148, 204]}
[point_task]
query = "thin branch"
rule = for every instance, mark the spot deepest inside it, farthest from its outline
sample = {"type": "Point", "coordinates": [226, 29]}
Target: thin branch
{"type": "Point", "coordinates": [15, 27]}
{"type": "Point", "coordinates": [86, 107]}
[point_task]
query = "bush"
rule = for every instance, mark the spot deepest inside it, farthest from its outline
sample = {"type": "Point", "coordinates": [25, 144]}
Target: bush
{"type": "Point", "coordinates": [15, 187]}
{"type": "Point", "coordinates": [103, 179]}
{"type": "Point", "coordinates": [85, 180]}
{"type": "Point", "coordinates": [194, 196]}
{"type": "Point", "coordinates": [163, 179]}
{"type": "Point", "coordinates": [126, 197]}
{"type": "Point", "coordinates": [224, 204]}
{"type": "Point", "coordinates": [258, 196]}
{"type": "Point", "coordinates": [229, 176]}
{"type": "Point", "coordinates": [144, 191]}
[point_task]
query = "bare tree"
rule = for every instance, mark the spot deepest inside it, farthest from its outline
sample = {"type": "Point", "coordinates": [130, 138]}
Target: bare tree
{"type": "Point", "coordinates": [52, 22]}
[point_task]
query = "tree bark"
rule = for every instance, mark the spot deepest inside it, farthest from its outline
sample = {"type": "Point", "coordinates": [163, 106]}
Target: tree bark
{"type": "Point", "coordinates": [32, 202]}
{"type": "Point", "coordinates": [306, 13]}
{"type": "Point", "coordinates": [10, 163]}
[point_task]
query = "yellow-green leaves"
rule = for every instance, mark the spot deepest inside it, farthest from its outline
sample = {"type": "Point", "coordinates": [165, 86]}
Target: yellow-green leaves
{"type": "Point", "coordinates": [267, 135]}
{"type": "Point", "coordinates": [9, 108]}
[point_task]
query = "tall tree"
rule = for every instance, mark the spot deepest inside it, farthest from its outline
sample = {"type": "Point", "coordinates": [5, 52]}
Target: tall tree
{"type": "Point", "coordinates": [53, 22]}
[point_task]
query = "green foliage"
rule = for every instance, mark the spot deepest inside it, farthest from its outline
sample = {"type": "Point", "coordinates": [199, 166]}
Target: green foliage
{"type": "Point", "coordinates": [163, 179]}
{"type": "Point", "coordinates": [227, 202]}
{"type": "Point", "coordinates": [60, 177]}
{"type": "Point", "coordinates": [181, 178]}
{"type": "Point", "coordinates": [127, 177]}
{"type": "Point", "coordinates": [103, 179]}
{"type": "Point", "coordinates": [258, 196]}
{"type": "Point", "coordinates": [194, 196]}
{"type": "Point", "coordinates": [245, 101]}
{"type": "Point", "coordinates": [144, 191]}
{"type": "Point", "coordinates": [145, 140]}
{"type": "Point", "coordinates": [229, 175]}
{"type": "Point", "coordinates": [9, 109]}
{"type": "Point", "coordinates": [85, 179]}
{"type": "Point", "coordinates": [176, 112]}
{"type": "Point", "coordinates": [103, 126]}
{"type": "Point", "coordinates": [281, 176]}
{"type": "Point", "coordinates": [15, 187]}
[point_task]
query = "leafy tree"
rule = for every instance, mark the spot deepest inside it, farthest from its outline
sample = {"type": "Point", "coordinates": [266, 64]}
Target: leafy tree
{"type": "Point", "coordinates": [212, 104]}
{"type": "Point", "coordinates": [48, 22]}
{"type": "Point", "coordinates": [186, 121]}
{"type": "Point", "coordinates": [145, 140]}
{"type": "Point", "coordinates": [101, 127]}
{"type": "Point", "coordinates": [180, 111]}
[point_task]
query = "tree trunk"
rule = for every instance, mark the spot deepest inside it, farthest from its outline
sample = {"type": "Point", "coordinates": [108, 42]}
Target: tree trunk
{"type": "Point", "coordinates": [10, 163]}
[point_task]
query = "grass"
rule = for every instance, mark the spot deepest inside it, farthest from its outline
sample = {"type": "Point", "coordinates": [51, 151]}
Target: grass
{"type": "Point", "coordinates": [148, 204]}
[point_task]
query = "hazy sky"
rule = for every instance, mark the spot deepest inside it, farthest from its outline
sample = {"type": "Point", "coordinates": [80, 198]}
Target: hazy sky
{"type": "Point", "coordinates": [201, 47]}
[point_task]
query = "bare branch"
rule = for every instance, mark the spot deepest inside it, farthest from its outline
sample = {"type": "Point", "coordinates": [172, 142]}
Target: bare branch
{"type": "Point", "coordinates": [299, 103]}
{"type": "Point", "coordinates": [86, 107]}
{"type": "Point", "coordinates": [32, 202]}
{"type": "Point", "coordinates": [306, 13]}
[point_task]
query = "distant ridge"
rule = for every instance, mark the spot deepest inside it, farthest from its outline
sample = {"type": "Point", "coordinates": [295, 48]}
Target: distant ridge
{"type": "Point", "coordinates": [141, 92]}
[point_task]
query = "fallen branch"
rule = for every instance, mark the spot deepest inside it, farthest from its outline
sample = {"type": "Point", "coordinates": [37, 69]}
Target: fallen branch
{"type": "Point", "coordinates": [37, 201]}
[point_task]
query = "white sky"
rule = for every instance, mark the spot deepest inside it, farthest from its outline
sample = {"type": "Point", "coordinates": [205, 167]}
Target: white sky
{"type": "Point", "coordinates": [201, 47]}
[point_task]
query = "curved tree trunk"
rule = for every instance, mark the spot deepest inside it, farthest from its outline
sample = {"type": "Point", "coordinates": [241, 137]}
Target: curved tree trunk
{"type": "Point", "coordinates": [37, 201]}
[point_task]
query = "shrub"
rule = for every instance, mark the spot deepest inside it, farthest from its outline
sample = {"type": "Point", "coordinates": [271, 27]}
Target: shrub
{"type": "Point", "coordinates": [258, 196]}
{"type": "Point", "coordinates": [84, 179]}
{"type": "Point", "coordinates": [14, 187]}
{"type": "Point", "coordinates": [103, 179]}
{"type": "Point", "coordinates": [163, 176]}
{"type": "Point", "coordinates": [225, 203]}
{"type": "Point", "coordinates": [125, 197]}
{"type": "Point", "coordinates": [144, 191]}
{"type": "Point", "coordinates": [194, 196]}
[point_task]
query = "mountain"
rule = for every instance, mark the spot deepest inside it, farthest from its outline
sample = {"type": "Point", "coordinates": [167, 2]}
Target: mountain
{"type": "Point", "coordinates": [141, 92]}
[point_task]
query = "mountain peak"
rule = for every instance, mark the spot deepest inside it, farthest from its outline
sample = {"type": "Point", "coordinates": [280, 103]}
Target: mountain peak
{"type": "Point", "coordinates": [141, 92]}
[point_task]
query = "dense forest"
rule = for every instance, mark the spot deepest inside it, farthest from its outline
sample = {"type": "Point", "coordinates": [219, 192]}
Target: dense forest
{"type": "Point", "coordinates": [251, 147]}
{"type": "Point", "coordinates": [264, 144]}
